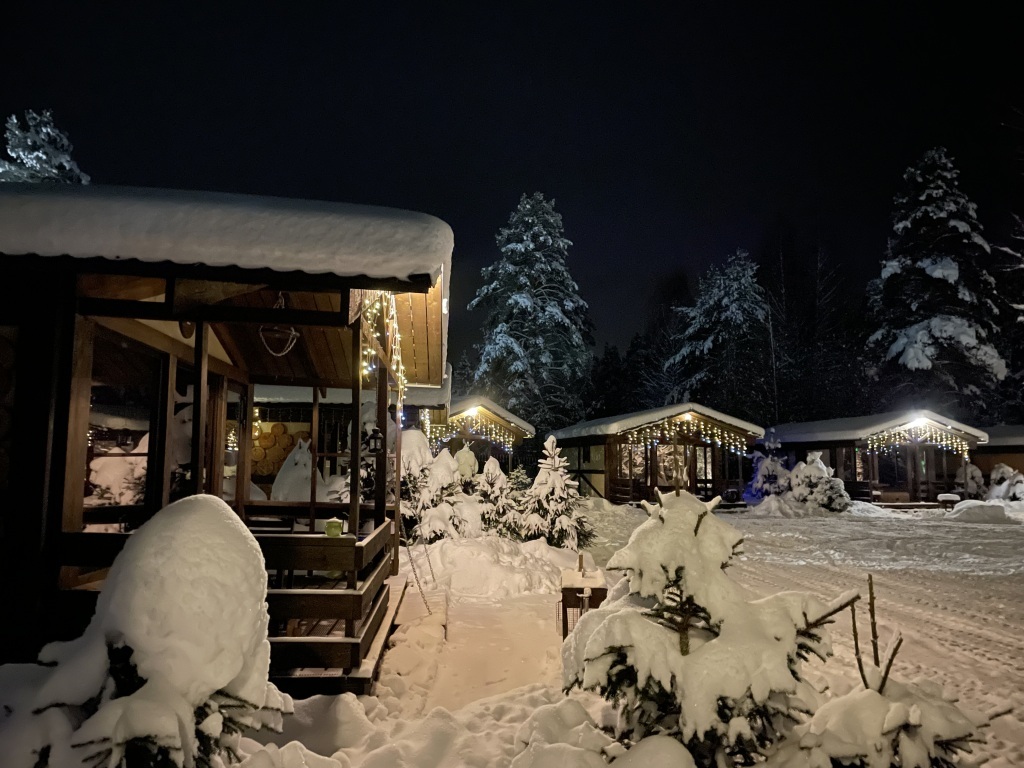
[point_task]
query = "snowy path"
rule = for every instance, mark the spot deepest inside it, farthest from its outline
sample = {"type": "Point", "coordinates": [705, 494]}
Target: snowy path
{"type": "Point", "coordinates": [962, 629]}
{"type": "Point", "coordinates": [496, 647]}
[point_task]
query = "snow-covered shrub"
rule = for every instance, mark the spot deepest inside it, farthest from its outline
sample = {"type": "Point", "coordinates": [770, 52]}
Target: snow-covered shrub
{"type": "Point", "coordinates": [970, 482]}
{"type": "Point", "coordinates": [771, 478]}
{"type": "Point", "coordinates": [552, 507]}
{"type": "Point", "coordinates": [173, 666]}
{"type": "Point", "coordinates": [1005, 483]}
{"type": "Point", "coordinates": [442, 521]}
{"type": "Point", "coordinates": [468, 465]}
{"type": "Point", "coordinates": [519, 480]}
{"type": "Point", "coordinates": [883, 723]}
{"type": "Point", "coordinates": [813, 484]}
{"type": "Point", "coordinates": [681, 651]}
{"type": "Point", "coordinates": [500, 505]}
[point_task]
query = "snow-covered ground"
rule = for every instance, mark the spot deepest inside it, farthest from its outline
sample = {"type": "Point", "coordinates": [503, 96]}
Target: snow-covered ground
{"type": "Point", "coordinates": [472, 680]}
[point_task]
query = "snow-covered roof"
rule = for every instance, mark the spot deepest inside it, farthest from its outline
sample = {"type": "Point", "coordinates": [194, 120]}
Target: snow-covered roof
{"type": "Point", "coordinates": [1005, 436]}
{"type": "Point", "coordinates": [464, 404]}
{"type": "Point", "coordinates": [221, 229]}
{"type": "Point", "coordinates": [860, 427]}
{"type": "Point", "coordinates": [616, 425]}
{"type": "Point", "coordinates": [420, 396]}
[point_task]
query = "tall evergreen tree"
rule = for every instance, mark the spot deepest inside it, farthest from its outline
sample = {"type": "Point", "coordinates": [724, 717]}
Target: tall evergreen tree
{"type": "Point", "coordinates": [613, 385]}
{"type": "Point", "coordinates": [39, 151]}
{"type": "Point", "coordinates": [932, 307]}
{"type": "Point", "coordinates": [536, 353]}
{"type": "Point", "coordinates": [721, 346]}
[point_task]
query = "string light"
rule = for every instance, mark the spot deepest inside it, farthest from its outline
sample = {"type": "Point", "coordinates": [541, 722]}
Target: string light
{"type": "Point", "coordinates": [918, 432]}
{"type": "Point", "coordinates": [389, 339]}
{"type": "Point", "coordinates": [688, 425]}
{"type": "Point", "coordinates": [476, 424]}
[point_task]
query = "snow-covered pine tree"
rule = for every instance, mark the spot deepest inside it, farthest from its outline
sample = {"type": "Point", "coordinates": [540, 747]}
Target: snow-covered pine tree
{"type": "Point", "coordinates": [39, 151]}
{"type": "Point", "coordinates": [501, 507]}
{"type": "Point", "coordinates": [552, 507]}
{"type": "Point", "coordinates": [722, 343]}
{"type": "Point", "coordinates": [770, 477]}
{"type": "Point", "coordinates": [681, 651]}
{"type": "Point", "coordinates": [933, 306]}
{"type": "Point", "coordinates": [536, 353]}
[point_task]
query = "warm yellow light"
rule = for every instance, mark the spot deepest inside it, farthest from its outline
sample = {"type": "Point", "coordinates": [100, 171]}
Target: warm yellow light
{"type": "Point", "coordinates": [687, 417]}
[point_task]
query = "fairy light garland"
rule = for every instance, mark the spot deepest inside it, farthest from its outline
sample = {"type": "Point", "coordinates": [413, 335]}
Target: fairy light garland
{"type": "Point", "coordinates": [928, 433]}
{"type": "Point", "coordinates": [475, 425]}
{"type": "Point", "coordinates": [375, 305]}
{"type": "Point", "coordinates": [687, 425]}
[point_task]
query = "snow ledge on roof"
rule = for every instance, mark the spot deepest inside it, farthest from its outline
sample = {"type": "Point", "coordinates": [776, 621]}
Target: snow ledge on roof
{"type": "Point", "coordinates": [479, 401]}
{"type": "Point", "coordinates": [221, 229]}
{"type": "Point", "coordinates": [615, 425]}
{"type": "Point", "coordinates": [860, 427]}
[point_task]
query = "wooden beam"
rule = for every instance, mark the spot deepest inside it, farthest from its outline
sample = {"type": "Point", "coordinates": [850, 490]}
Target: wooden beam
{"type": "Point", "coordinates": [158, 464]}
{"type": "Point", "coordinates": [151, 337]}
{"type": "Point", "coordinates": [218, 432]}
{"type": "Point", "coordinates": [76, 449]}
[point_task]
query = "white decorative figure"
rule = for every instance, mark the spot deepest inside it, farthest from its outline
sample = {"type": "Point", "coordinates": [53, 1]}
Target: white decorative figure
{"type": "Point", "coordinates": [293, 481]}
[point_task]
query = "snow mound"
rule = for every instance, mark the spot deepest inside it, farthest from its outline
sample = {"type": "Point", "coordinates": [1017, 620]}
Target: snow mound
{"type": "Point", "coordinates": [181, 622]}
{"type": "Point", "coordinates": [493, 567]}
{"type": "Point", "coordinates": [975, 511]}
{"type": "Point", "coordinates": [780, 506]}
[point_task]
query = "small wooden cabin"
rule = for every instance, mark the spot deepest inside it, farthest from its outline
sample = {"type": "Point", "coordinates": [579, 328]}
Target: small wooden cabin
{"type": "Point", "coordinates": [136, 325]}
{"type": "Point", "coordinates": [475, 419]}
{"type": "Point", "coordinates": [893, 457]}
{"type": "Point", "coordinates": [625, 458]}
{"type": "Point", "coordinates": [1005, 446]}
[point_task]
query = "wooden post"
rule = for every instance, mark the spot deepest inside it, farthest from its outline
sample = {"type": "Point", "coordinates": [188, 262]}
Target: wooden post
{"type": "Point", "coordinates": [78, 424]}
{"type": "Point", "coordinates": [675, 462]}
{"type": "Point", "coordinates": [380, 486]}
{"type": "Point", "coordinates": [945, 472]}
{"type": "Point", "coordinates": [218, 428]}
{"type": "Point", "coordinates": [244, 474]}
{"type": "Point", "coordinates": [396, 519]}
{"type": "Point", "coordinates": [355, 454]}
{"type": "Point", "coordinates": [162, 463]}
{"type": "Point", "coordinates": [200, 407]}
{"type": "Point", "coordinates": [314, 450]}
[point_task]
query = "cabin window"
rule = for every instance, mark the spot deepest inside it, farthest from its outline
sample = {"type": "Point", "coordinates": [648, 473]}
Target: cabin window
{"type": "Point", "coordinates": [586, 454]}
{"type": "Point", "coordinates": [122, 411]}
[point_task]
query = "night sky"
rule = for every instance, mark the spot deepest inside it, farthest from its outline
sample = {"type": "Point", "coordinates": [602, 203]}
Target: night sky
{"type": "Point", "coordinates": [667, 139]}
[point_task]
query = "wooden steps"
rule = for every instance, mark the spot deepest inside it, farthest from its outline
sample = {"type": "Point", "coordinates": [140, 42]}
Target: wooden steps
{"type": "Point", "coordinates": [305, 681]}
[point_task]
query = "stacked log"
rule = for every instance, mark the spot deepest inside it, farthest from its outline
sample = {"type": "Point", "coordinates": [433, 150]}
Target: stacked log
{"type": "Point", "coordinates": [270, 449]}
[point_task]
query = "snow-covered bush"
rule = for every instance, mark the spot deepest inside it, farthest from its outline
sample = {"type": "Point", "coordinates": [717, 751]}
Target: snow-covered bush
{"type": "Point", "coordinates": [552, 507]}
{"type": "Point", "coordinates": [970, 482]}
{"type": "Point", "coordinates": [468, 465]}
{"type": "Point", "coordinates": [883, 723]}
{"type": "Point", "coordinates": [681, 651]}
{"type": "Point", "coordinates": [519, 480]}
{"type": "Point", "coordinates": [173, 666]}
{"type": "Point", "coordinates": [1005, 483]}
{"type": "Point", "coordinates": [813, 484]}
{"type": "Point", "coordinates": [771, 478]}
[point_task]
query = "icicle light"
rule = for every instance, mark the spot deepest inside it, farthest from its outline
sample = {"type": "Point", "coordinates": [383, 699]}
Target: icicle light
{"type": "Point", "coordinates": [686, 427]}
{"type": "Point", "coordinates": [922, 432]}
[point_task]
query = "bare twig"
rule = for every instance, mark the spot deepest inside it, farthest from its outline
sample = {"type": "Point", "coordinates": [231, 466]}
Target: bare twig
{"type": "Point", "coordinates": [856, 648]}
{"type": "Point", "coordinates": [700, 519]}
{"type": "Point", "coordinates": [888, 664]}
{"type": "Point", "coordinates": [824, 618]}
{"type": "Point", "coordinates": [874, 626]}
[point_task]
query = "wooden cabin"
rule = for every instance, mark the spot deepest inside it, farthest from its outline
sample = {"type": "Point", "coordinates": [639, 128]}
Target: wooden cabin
{"type": "Point", "coordinates": [490, 429]}
{"type": "Point", "coordinates": [136, 327]}
{"type": "Point", "coordinates": [894, 457]}
{"type": "Point", "coordinates": [1005, 446]}
{"type": "Point", "coordinates": [625, 458]}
